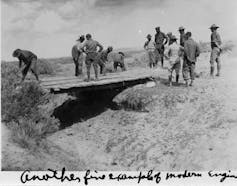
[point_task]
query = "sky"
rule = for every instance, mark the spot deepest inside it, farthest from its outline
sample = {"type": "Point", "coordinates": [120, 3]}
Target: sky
{"type": "Point", "coordinates": [49, 28]}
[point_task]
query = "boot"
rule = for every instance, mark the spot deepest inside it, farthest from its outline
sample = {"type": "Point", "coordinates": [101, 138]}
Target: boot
{"type": "Point", "coordinates": [218, 69]}
{"type": "Point", "coordinates": [170, 80]}
{"type": "Point", "coordinates": [211, 71]}
{"type": "Point", "coordinates": [177, 78]}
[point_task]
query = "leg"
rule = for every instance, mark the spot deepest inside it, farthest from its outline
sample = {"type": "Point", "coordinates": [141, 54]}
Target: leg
{"type": "Point", "coordinates": [162, 55]}
{"type": "Point", "coordinates": [80, 66]}
{"type": "Point", "coordinates": [25, 71]}
{"type": "Point", "coordinates": [76, 67]}
{"type": "Point", "coordinates": [88, 68]}
{"type": "Point", "coordinates": [212, 60]}
{"type": "Point", "coordinates": [170, 77]}
{"type": "Point", "coordinates": [192, 73]}
{"type": "Point", "coordinates": [218, 62]}
{"type": "Point", "coordinates": [95, 65]}
{"type": "Point", "coordinates": [150, 59]}
{"type": "Point", "coordinates": [34, 69]}
{"type": "Point", "coordinates": [122, 65]}
{"type": "Point", "coordinates": [177, 70]}
{"type": "Point", "coordinates": [185, 71]}
{"type": "Point", "coordinates": [102, 67]}
{"type": "Point", "coordinates": [115, 65]}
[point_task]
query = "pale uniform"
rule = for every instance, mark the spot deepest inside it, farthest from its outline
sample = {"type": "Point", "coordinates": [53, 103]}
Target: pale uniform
{"type": "Point", "coordinates": [150, 48]}
{"type": "Point", "coordinates": [215, 45]}
{"type": "Point", "coordinates": [174, 53]}
{"type": "Point", "coordinates": [91, 50]}
{"type": "Point", "coordinates": [117, 59]}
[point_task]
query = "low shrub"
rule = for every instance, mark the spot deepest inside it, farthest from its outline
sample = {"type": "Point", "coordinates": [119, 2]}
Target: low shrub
{"type": "Point", "coordinates": [134, 98]}
{"type": "Point", "coordinates": [45, 67]}
{"type": "Point", "coordinates": [21, 109]}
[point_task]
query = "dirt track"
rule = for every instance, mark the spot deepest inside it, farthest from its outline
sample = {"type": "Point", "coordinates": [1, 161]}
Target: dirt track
{"type": "Point", "coordinates": [186, 128]}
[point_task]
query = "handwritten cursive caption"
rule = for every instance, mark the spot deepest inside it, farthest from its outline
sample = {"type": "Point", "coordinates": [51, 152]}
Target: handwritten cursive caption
{"type": "Point", "coordinates": [149, 176]}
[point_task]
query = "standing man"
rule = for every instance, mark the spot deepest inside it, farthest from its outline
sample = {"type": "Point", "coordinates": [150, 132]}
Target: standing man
{"type": "Point", "coordinates": [191, 52]}
{"type": "Point", "coordinates": [216, 50]}
{"type": "Point", "coordinates": [182, 36]}
{"type": "Point", "coordinates": [174, 53]}
{"type": "Point", "coordinates": [30, 61]}
{"type": "Point", "coordinates": [160, 39]}
{"type": "Point", "coordinates": [149, 46]}
{"type": "Point", "coordinates": [102, 58]}
{"type": "Point", "coordinates": [90, 48]}
{"type": "Point", "coordinates": [77, 55]}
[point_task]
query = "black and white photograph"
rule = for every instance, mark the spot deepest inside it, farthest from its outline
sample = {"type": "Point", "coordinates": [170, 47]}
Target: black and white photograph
{"type": "Point", "coordinates": [119, 85]}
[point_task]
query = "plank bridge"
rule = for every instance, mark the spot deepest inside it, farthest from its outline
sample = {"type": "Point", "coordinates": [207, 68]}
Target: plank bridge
{"type": "Point", "coordinates": [67, 84]}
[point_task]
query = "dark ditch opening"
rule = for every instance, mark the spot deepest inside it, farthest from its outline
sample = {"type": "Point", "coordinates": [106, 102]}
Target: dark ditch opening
{"type": "Point", "coordinates": [87, 105]}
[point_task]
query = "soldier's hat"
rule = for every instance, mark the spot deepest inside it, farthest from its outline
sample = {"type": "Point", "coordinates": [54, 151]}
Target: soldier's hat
{"type": "Point", "coordinates": [148, 36]}
{"type": "Point", "coordinates": [80, 37]}
{"type": "Point", "coordinates": [181, 28]}
{"type": "Point", "coordinates": [214, 26]}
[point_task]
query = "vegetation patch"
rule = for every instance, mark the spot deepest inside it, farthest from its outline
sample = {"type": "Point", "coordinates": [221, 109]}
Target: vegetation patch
{"type": "Point", "coordinates": [21, 108]}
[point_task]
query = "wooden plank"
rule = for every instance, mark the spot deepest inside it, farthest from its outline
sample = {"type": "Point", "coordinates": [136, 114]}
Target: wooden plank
{"type": "Point", "coordinates": [71, 82]}
{"type": "Point", "coordinates": [94, 84]}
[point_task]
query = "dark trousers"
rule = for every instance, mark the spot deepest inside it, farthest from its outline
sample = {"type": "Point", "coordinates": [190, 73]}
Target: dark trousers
{"type": "Point", "coordinates": [30, 65]}
{"type": "Point", "coordinates": [188, 69]}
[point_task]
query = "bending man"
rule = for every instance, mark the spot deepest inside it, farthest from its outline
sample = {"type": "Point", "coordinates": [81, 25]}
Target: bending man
{"type": "Point", "coordinates": [30, 61]}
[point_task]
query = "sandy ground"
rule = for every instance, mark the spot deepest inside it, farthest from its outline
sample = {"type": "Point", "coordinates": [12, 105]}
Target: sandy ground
{"type": "Point", "coordinates": [186, 128]}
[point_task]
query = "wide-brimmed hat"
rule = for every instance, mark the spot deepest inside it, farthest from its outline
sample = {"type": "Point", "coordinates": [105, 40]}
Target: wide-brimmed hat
{"type": "Point", "coordinates": [214, 26]}
{"type": "Point", "coordinates": [80, 37]}
{"type": "Point", "coordinates": [148, 36]}
{"type": "Point", "coordinates": [181, 28]}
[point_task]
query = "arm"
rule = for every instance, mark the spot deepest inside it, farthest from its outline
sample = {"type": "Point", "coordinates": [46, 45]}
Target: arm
{"type": "Point", "coordinates": [166, 39]}
{"type": "Point", "coordinates": [198, 50]}
{"type": "Point", "coordinates": [167, 53]}
{"type": "Point", "coordinates": [218, 41]}
{"type": "Point", "coordinates": [145, 45]}
{"type": "Point", "coordinates": [100, 46]}
{"type": "Point", "coordinates": [20, 63]}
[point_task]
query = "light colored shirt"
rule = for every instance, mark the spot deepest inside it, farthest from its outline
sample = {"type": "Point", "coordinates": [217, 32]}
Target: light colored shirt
{"type": "Point", "coordinates": [91, 46]}
{"type": "Point", "coordinates": [191, 50]}
{"type": "Point", "coordinates": [173, 52]}
{"type": "Point", "coordinates": [79, 45]}
{"type": "Point", "coordinates": [149, 45]}
{"type": "Point", "coordinates": [115, 57]}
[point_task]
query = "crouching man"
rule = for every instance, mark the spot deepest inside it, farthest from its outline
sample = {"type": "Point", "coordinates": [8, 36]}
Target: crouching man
{"type": "Point", "coordinates": [102, 58]}
{"type": "Point", "coordinates": [118, 60]}
{"type": "Point", "coordinates": [174, 53]}
{"type": "Point", "coordinates": [30, 61]}
{"type": "Point", "coordinates": [191, 52]}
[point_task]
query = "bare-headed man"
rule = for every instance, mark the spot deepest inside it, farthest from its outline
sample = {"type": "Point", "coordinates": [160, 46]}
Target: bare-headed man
{"type": "Point", "coordinates": [90, 47]}
{"type": "Point", "coordinates": [30, 61]}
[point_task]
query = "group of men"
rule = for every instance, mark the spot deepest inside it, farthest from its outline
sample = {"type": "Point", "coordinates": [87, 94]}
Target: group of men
{"type": "Point", "coordinates": [95, 57]}
{"type": "Point", "coordinates": [186, 52]}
